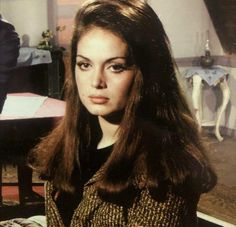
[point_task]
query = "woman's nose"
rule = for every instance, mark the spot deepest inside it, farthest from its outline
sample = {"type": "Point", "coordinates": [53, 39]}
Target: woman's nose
{"type": "Point", "coordinates": [98, 79]}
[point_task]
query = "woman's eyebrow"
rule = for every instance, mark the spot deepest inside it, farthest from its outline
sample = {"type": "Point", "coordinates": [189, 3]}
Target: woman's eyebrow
{"type": "Point", "coordinates": [106, 61]}
{"type": "Point", "coordinates": [79, 55]}
{"type": "Point", "coordinates": [115, 58]}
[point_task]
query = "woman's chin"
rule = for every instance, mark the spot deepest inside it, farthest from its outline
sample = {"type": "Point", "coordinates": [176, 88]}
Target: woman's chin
{"type": "Point", "coordinates": [101, 113]}
{"type": "Point", "coordinates": [106, 113]}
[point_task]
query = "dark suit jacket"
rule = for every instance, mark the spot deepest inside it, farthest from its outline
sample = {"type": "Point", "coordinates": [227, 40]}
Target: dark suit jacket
{"type": "Point", "coordinates": [9, 48]}
{"type": "Point", "coordinates": [9, 52]}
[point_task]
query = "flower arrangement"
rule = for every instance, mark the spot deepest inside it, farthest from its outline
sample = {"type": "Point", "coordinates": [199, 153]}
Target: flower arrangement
{"type": "Point", "coordinates": [46, 43]}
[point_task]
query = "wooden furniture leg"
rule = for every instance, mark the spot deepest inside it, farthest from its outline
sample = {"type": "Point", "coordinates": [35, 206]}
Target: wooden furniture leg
{"type": "Point", "coordinates": [197, 99]}
{"type": "Point", "coordinates": [226, 95]}
{"type": "Point", "coordinates": [24, 182]}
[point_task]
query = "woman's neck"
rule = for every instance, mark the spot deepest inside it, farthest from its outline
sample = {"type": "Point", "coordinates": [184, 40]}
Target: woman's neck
{"type": "Point", "coordinates": [109, 132]}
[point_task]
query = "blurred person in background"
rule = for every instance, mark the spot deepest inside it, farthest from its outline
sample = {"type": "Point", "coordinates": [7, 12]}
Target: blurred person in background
{"type": "Point", "coordinates": [9, 52]}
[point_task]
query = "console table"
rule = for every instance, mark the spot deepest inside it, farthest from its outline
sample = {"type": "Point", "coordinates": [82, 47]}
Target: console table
{"type": "Point", "coordinates": [212, 76]}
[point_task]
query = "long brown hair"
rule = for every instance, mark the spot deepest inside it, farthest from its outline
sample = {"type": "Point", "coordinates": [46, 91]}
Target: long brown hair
{"type": "Point", "coordinates": [157, 134]}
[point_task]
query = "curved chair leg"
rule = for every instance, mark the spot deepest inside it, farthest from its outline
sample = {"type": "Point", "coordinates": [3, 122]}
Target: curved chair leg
{"type": "Point", "coordinates": [196, 98]}
{"type": "Point", "coordinates": [226, 95]}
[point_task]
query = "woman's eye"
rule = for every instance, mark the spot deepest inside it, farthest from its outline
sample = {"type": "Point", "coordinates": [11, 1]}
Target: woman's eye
{"type": "Point", "coordinates": [118, 68]}
{"type": "Point", "coordinates": [83, 66]}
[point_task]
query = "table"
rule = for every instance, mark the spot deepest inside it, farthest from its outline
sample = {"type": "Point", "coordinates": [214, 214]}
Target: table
{"type": "Point", "coordinates": [212, 76]}
{"type": "Point", "coordinates": [38, 71]}
{"type": "Point", "coordinates": [19, 134]}
{"type": "Point", "coordinates": [33, 56]}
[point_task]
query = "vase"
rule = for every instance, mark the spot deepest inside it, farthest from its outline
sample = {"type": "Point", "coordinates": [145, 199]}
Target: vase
{"type": "Point", "coordinates": [206, 61]}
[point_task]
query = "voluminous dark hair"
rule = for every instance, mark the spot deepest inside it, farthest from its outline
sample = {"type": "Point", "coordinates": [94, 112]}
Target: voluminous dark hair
{"type": "Point", "coordinates": [157, 135]}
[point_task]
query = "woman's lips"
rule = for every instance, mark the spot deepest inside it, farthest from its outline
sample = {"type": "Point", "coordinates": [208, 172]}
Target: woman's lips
{"type": "Point", "coordinates": [98, 99]}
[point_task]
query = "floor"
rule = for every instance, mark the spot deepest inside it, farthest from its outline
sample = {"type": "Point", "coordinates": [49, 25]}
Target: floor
{"type": "Point", "coordinates": [220, 202]}
{"type": "Point", "coordinates": [11, 206]}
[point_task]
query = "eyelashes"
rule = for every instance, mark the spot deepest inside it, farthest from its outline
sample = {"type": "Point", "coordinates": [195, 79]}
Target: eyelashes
{"type": "Point", "coordinates": [118, 68]}
{"type": "Point", "coordinates": [83, 66]}
{"type": "Point", "coordinates": [113, 67]}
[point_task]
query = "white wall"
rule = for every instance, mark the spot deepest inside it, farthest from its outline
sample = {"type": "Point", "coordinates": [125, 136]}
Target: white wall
{"type": "Point", "coordinates": [30, 17]}
{"type": "Point", "coordinates": [187, 23]}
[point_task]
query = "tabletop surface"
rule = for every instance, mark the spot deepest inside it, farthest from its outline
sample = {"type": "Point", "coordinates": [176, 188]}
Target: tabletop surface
{"type": "Point", "coordinates": [49, 108]}
{"type": "Point", "coordinates": [211, 75]}
{"type": "Point", "coordinates": [33, 56]}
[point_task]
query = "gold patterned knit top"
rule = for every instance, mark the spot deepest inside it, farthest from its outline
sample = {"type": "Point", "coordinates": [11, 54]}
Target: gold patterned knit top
{"type": "Point", "coordinates": [92, 211]}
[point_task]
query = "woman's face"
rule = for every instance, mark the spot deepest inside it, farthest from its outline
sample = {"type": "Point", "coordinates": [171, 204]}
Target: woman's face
{"type": "Point", "coordinates": [102, 75]}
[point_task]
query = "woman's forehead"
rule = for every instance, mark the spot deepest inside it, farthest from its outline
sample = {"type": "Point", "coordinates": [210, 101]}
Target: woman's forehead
{"type": "Point", "coordinates": [101, 42]}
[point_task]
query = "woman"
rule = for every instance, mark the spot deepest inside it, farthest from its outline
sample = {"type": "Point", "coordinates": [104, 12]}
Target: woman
{"type": "Point", "coordinates": [127, 152]}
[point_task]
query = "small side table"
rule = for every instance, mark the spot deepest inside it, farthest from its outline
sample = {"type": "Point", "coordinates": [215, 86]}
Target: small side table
{"type": "Point", "coordinates": [212, 76]}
